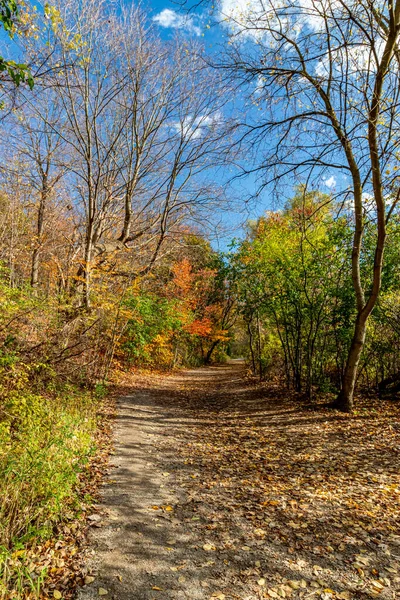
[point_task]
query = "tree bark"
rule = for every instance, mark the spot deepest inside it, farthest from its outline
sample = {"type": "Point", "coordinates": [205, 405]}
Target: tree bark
{"type": "Point", "coordinates": [345, 399]}
{"type": "Point", "coordinates": [87, 269]}
{"type": "Point", "coordinates": [253, 360]}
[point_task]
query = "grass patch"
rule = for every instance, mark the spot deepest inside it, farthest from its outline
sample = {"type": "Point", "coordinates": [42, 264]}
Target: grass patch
{"type": "Point", "coordinates": [45, 443]}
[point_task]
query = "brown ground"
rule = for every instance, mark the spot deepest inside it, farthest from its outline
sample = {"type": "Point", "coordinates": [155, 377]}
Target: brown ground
{"type": "Point", "coordinates": [223, 489]}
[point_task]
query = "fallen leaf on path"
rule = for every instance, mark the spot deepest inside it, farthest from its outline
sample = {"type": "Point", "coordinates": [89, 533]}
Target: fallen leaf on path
{"type": "Point", "coordinates": [208, 547]}
{"type": "Point", "coordinates": [377, 586]}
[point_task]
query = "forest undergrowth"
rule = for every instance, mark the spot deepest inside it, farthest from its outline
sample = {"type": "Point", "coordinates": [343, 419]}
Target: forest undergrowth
{"type": "Point", "coordinates": [50, 470]}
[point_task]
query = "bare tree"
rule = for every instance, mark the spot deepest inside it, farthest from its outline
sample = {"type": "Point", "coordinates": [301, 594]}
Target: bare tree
{"type": "Point", "coordinates": [142, 126]}
{"type": "Point", "coordinates": [34, 139]}
{"type": "Point", "coordinates": [323, 81]}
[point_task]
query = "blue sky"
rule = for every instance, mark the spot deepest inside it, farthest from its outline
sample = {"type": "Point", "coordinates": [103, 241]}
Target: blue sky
{"type": "Point", "coordinates": [171, 17]}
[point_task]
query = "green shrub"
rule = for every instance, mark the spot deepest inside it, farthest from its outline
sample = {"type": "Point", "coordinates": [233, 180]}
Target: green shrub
{"type": "Point", "coordinates": [44, 445]}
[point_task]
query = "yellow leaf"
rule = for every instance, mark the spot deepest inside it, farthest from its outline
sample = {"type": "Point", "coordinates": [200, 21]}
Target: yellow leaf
{"type": "Point", "coordinates": [377, 585]}
{"type": "Point", "coordinates": [208, 547]}
{"type": "Point", "coordinates": [57, 594]}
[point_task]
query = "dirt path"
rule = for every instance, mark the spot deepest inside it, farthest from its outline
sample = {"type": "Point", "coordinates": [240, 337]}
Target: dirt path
{"type": "Point", "coordinates": [139, 544]}
{"type": "Point", "coordinates": [220, 489]}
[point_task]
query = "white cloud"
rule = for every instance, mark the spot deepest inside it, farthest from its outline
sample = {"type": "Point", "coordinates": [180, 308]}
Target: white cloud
{"type": "Point", "coordinates": [258, 18]}
{"type": "Point", "coordinates": [331, 182]}
{"type": "Point", "coordinates": [170, 18]}
{"type": "Point", "coordinates": [267, 20]}
{"type": "Point", "coordinates": [351, 59]}
{"type": "Point", "coordinates": [368, 203]}
{"type": "Point", "coordinates": [195, 127]}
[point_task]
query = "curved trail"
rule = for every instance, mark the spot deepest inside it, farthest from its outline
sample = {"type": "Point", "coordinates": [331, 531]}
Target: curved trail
{"type": "Point", "coordinates": [137, 547]}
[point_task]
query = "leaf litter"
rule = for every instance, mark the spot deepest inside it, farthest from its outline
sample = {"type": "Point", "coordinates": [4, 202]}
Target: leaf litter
{"type": "Point", "coordinates": [291, 502]}
{"type": "Point", "coordinates": [266, 498]}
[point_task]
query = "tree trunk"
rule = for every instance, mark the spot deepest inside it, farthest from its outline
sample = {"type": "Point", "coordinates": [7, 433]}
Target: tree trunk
{"type": "Point", "coordinates": [253, 360]}
{"type": "Point", "coordinates": [207, 359]}
{"type": "Point", "coordinates": [35, 268]}
{"type": "Point", "coordinates": [344, 400]}
{"type": "Point", "coordinates": [87, 273]}
{"type": "Point", "coordinates": [259, 348]}
{"type": "Point", "coordinates": [39, 231]}
{"type": "Point", "coordinates": [87, 266]}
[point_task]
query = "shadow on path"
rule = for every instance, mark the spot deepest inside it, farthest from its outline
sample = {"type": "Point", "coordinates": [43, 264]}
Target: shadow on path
{"type": "Point", "coordinates": [183, 525]}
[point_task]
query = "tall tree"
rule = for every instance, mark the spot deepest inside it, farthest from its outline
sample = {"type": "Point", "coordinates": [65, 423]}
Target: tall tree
{"type": "Point", "coordinates": [34, 140]}
{"type": "Point", "coordinates": [141, 127]}
{"type": "Point", "coordinates": [324, 79]}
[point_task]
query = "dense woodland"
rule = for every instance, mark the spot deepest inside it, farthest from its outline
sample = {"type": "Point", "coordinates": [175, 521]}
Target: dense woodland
{"type": "Point", "coordinates": [118, 146]}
